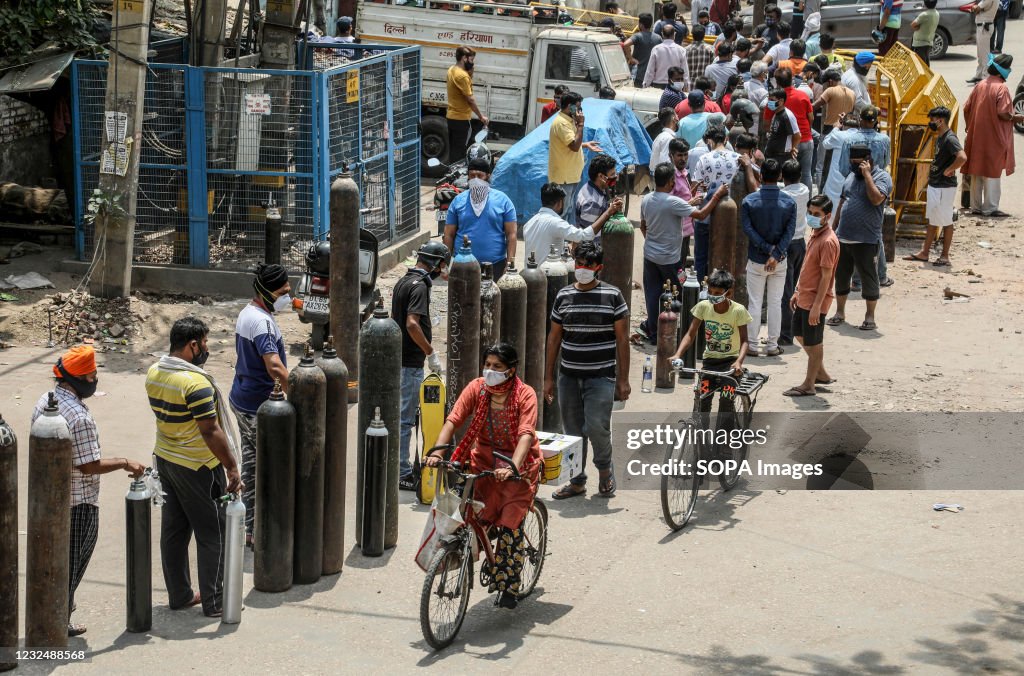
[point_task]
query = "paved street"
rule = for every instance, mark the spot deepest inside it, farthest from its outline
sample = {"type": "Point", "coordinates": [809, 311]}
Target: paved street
{"type": "Point", "coordinates": [762, 583]}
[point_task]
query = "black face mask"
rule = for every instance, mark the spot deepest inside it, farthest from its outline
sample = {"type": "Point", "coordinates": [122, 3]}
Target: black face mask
{"type": "Point", "coordinates": [469, 65]}
{"type": "Point", "coordinates": [200, 359]}
{"type": "Point", "coordinates": [933, 126]}
{"type": "Point", "coordinates": [83, 388]}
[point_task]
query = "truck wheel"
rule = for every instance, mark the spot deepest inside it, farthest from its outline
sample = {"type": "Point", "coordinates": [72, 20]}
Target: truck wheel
{"type": "Point", "coordinates": [434, 143]}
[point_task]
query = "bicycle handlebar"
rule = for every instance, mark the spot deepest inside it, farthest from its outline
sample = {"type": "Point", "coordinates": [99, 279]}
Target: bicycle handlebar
{"type": "Point", "coordinates": [458, 467]}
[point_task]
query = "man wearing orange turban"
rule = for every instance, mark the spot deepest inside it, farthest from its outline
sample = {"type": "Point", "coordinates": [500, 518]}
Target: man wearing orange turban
{"type": "Point", "coordinates": [75, 372]}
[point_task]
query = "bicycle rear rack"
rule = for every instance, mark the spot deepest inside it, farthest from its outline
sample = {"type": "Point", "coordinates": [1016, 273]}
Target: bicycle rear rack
{"type": "Point", "coordinates": [750, 383]}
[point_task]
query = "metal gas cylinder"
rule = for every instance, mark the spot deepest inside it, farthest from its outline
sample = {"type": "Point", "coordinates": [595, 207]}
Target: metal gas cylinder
{"type": "Point", "coordinates": [274, 541]}
{"type": "Point", "coordinates": [307, 391]}
{"type": "Point", "coordinates": [335, 452]}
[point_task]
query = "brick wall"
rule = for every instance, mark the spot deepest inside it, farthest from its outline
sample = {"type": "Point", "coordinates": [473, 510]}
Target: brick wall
{"type": "Point", "coordinates": [24, 143]}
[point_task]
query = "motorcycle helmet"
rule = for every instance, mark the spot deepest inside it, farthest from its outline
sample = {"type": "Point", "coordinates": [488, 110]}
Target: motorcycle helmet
{"type": "Point", "coordinates": [479, 151]}
{"type": "Point", "coordinates": [445, 194]}
{"type": "Point", "coordinates": [318, 258]}
{"type": "Point", "coordinates": [433, 252]}
{"type": "Point", "coordinates": [744, 111]}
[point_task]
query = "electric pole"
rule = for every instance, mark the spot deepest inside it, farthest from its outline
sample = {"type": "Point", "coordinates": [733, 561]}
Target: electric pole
{"type": "Point", "coordinates": [122, 141]}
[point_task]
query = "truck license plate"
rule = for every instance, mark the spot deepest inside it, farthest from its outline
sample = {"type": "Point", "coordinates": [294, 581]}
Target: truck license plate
{"type": "Point", "coordinates": [320, 304]}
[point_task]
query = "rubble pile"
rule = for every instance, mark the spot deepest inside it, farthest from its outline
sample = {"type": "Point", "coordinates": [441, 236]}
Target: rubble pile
{"type": "Point", "coordinates": [80, 317]}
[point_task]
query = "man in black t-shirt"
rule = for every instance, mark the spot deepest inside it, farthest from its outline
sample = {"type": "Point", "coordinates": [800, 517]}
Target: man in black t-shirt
{"type": "Point", "coordinates": [783, 131]}
{"type": "Point", "coordinates": [590, 323]}
{"type": "Point", "coordinates": [941, 204]}
{"type": "Point", "coordinates": [410, 307]}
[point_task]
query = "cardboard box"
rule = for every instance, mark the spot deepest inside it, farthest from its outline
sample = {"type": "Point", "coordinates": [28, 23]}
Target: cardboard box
{"type": "Point", "coordinates": [563, 457]}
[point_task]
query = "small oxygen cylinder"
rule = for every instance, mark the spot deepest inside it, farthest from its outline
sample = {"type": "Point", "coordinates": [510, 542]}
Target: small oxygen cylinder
{"type": "Point", "coordinates": [234, 555]}
{"type": "Point", "coordinates": [375, 475]}
{"type": "Point", "coordinates": [139, 555]}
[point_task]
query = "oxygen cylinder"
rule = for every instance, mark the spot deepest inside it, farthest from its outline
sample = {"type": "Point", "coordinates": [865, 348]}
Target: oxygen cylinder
{"type": "Point", "coordinates": [49, 522]}
{"type": "Point", "coordinates": [888, 235]}
{"type": "Point", "coordinates": [8, 545]}
{"type": "Point", "coordinates": [344, 322]}
{"type": "Point", "coordinates": [664, 374]}
{"type": "Point", "coordinates": [380, 344]}
{"type": "Point", "coordinates": [335, 452]}
{"type": "Point", "coordinates": [234, 555]}
{"type": "Point", "coordinates": [139, 555]}
{"type": "Point", "coordinates": [617, 241]}
{"type": "Point", "coordinates": [738, 191]}
{"type": "Point", "coordinates": [701, 341]}
{"type": "Point", "coordinates": [691, 296]}
{"type": "Point", "coordinates": [307, 390]}
{"type": "Point", "coordinates": [374, 480]}
{"type": "Point", "coordinates": [557, 277]}
{"type": "Point", "coordinates": [722, 248]}
{"type": "Point", "coordinates": [536, 336]}
{"type": "Point", "coordinates": [272, 234]}
{"type": "Point", "coordinates": [513, 311]}
{"type": "Point", "coordinates": [490, 311]}
{"type": "Point", "coordinates": [463, 318]}
{"type": "Point", "coordinates": [274, 542]}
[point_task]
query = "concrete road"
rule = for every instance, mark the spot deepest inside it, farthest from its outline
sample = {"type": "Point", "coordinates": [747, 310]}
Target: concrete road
{"type": "Point", "coordinates": [761, 583]}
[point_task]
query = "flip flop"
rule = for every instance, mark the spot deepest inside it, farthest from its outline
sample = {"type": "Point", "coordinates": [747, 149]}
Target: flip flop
{"type": "Point", "coordinates": [76, 629]}
{"type": "Point", "coordinates": [824, 382]}
{"type": "Point", "coordinates": [606, 488]}
{"type": "Point", "coordinates": [797, 392]}
{"type": "Point", "coordinates": [638, 339]}
{"type": "Point", "coordinates": [998, 214]}
{"type": "Point", "coordinates": [868, 326]}
{"type": "Point", "coordinates": [835, 321]}
{"type": "Point", "coordinates": [914, 257]}
{"type": "Point", "coordinates": [941, 263]}
{"type": "Point", "coordinates": [567, 491]}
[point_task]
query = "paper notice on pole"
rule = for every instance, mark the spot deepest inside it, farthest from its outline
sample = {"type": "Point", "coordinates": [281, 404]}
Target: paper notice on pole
{"type": "Point", "coordinates": [405, 80]}
{"type": "Point", "coordinates": [257, 104]}
{"type": "Point", "coordinates": [114, 159]}
{"type": "Point", "coordinates": [352, 87]}
{"type": "Point", "coordinates": [117, 126]}
{"type": "Point", "coordinates": [107, 160]}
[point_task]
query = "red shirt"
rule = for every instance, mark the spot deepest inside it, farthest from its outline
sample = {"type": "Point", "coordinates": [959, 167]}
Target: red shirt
{"type": "Point", "coordinates": [800, 105]}
{"type": "Point", "coordinates": [548, 110]}
{"type": "Point", "coordinates": [683, 109]}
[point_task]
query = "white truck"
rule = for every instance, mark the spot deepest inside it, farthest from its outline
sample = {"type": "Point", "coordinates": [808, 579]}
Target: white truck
{"type": "Point", "coordinates": [522, 55]}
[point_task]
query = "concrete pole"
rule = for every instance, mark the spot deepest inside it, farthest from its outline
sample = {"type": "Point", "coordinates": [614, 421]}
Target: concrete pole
{"type": "Point", "coordinates": [126, 87]}
{"type": "Point", "coordinates": [214, 24]}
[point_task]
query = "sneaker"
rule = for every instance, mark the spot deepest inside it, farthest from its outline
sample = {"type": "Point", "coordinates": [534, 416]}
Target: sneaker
{"type": "Point", "coordinates": [407, 483]}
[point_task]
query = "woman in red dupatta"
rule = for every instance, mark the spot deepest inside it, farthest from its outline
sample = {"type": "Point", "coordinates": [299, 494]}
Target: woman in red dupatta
{"type": "Point", "coordinates": [502, 411]}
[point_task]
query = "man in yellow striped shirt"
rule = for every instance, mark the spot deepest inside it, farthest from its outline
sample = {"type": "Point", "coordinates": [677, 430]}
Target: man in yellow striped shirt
{"type": "Point", "coordinates": [191, 447]}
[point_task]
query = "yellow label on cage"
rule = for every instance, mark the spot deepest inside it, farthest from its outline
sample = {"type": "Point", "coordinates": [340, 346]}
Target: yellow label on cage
{"type": "Point", "coordinates": [352, 87]}
{"type": "Point", "coordinates": [133, 6]}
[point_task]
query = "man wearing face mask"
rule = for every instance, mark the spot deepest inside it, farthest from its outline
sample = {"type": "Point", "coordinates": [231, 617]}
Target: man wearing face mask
{"type": "Point", "coordinates": [565, 150]}
{"type": "Point", "coordinates": [259, 359]}
{"type": "Point", "coordinates": [675, 92]}
{"type": "Point", "coordinates": [485, 215]}
{"type": "Point", "coordinates": [461, 104]}
{"type": "Point", "coordinates": [75, 373]}
{"type": "Point", "coordinates": [196, 458]}
{"type": "Point", "coordinates": [410, 308]}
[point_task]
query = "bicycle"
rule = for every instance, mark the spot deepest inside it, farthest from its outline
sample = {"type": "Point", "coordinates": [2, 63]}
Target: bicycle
{"type": "Point", "coordinates": [679, 489]}
{"type": "Point", "coordinates": [445, 596]}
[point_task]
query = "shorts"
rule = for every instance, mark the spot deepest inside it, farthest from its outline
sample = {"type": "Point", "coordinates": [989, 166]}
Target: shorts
{"type": "Point", "coordinates": [941, 206]}
{"type": "Point", "coordinates": [863, 258]}
{"type": "Point", "coordinates": [812, 335]}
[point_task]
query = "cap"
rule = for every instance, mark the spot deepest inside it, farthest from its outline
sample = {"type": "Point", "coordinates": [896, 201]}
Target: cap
{"type": "Point", "coordinates": [695, 99]}
{"type": "Point", "coordinates": [864, 58]}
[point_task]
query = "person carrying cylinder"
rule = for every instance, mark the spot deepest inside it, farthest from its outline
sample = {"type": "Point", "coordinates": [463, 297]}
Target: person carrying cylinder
{"type": "Point", "coordinates": [196, 460]}
{"type": "Point", "coordinates": [75, 373]}
{"type": "Point", "coordinates": [502, 414]}
{"type": "Point", "coordinates": [260, 360]}
{"type": "Point", "coordinates": [410, 308]}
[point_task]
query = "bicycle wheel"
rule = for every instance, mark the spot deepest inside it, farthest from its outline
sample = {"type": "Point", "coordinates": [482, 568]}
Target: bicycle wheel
{"type": "Point", "coordinates": [744, 411]}
{"type": "Point", "coordinates": [679, 490]}
{"type": "Point", "coordinates": [445, 596]}
{"type": "Point", "coordinates": [535, 531]}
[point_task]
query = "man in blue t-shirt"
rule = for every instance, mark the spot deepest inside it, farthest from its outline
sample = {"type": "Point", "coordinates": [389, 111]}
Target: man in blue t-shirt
{"type": "Point", "coordinates": [485, 215]}
{"type": "Point", "coordinates": [260, 359]}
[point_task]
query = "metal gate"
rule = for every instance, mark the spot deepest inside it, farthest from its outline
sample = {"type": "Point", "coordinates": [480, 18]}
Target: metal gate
{"type": "Point", "coordinates": [219, 143]}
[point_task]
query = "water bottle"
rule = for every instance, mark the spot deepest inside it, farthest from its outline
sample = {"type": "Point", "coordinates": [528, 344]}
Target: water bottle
{"type": "Point", "coordinates": [645, 386]}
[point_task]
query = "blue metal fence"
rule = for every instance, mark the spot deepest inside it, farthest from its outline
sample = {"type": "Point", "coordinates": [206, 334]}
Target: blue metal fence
{"type": "Point", "coordinates": [218, 143]}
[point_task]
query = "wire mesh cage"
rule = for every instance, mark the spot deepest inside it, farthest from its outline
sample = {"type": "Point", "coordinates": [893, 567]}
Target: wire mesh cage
{"type": "Point", "coordinates": [220, 144]}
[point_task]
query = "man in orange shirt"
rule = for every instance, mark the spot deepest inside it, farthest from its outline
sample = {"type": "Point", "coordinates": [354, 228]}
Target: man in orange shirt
{"type": "Point", "coordinates": [813, 296]}
{"type": "Point", "coordinates": [461, 104]}
{"type": "Point", "coordinates": [796, 61]}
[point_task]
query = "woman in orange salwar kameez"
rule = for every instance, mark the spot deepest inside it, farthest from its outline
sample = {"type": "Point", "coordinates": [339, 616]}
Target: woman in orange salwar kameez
{"type": "Point", "coordinates": [503, 414]}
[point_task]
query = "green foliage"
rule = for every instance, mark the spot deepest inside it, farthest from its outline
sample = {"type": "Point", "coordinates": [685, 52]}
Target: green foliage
{"type": "Point", "coordinates": [27, 24]}
{"type": "Point", "coordinates": [102, 205]}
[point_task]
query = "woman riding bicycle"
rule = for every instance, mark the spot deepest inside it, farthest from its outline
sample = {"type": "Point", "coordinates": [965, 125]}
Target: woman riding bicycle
{"type": "Point", "coordinates": [503, 414]}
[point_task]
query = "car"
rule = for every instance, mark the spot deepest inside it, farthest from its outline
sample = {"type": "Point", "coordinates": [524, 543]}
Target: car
{"type": "Point", "coordinates": [851, 22]}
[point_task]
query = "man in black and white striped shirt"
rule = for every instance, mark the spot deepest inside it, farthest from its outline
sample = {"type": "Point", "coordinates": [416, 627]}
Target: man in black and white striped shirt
{"type": "Point", "coordinates": [590, 324]}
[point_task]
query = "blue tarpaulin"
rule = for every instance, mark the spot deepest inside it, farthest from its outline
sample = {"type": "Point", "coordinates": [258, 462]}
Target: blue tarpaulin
{"type": "Point", "coordinates": [524, 168]}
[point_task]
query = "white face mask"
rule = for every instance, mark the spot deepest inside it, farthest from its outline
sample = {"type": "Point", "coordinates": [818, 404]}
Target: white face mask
{"type": "Point", "coordinates": [678, 86]}
{"type": "Point", "coordinates": [282, 302]}
{"type": "Point", "coordinates": [584, 276]}
{"type": "Point", "coordinates": [494, 378]}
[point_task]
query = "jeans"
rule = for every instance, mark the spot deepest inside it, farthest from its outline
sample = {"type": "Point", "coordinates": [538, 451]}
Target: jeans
{"type": "Point", "coordinates": [568, 211]}
{"type": "Point", "coordinates": [775, 281]}
{"type": "Point", "coordinates": [654, 282]}
{"type": "Point", "coordinates": [925, 53]}
{"type": "Point", "coordinates": [586, 406]}
{"type": "Point", "coordinates": [999, 31]}
{"type": "Point", "coordinates": [794, 261]}
{"type": "Point", "coordinates": [805, 156]}
{"type": "Point", "coordinates": [459, 132]}
{"type": "Point", "coordinates": [412, 378]}
{"type": "Point", "coordinates": [701, 248]}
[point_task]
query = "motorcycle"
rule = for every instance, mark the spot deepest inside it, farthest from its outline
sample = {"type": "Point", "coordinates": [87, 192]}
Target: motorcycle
{"type": "Point", "coordinates": [457, 179]}
{"type": "Point", "coordinates": [312, 301]}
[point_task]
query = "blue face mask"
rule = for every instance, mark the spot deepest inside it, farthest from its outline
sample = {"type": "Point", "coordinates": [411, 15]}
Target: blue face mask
{"type": "Point", "coordinates": [814, 222]}
{"type": "Point", "coordinates": [773, 105]}
{"type": "Point", "coordinates": [1003, 72]}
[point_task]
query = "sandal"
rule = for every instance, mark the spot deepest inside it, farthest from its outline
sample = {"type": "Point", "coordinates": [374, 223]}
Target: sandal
{"type": "Point", "coordinates": [196, 600]}
{"type": "Point", "coordinates": [835, 320]}
{"type": "Point", "coordinates": [915, 257]}
{"type": "Point", "coordinates": [639, 339]}
{"type": "Point", "coordinates": [868, 326]}
{"type": "Point", "coordinates": [76, 629]}
{"type": "Point", "coordinates": [606, 487]}
{"type": "Point", "coordinates": [568, 491]}
{"type": "Point", "coordinates": [997, 214]}
{"type": "Point", "coordinates": [797, 392]}
{"type": "Point", "coordinates": [942, 263]}
{"type": "Point", "coordinates": [824, 382]}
